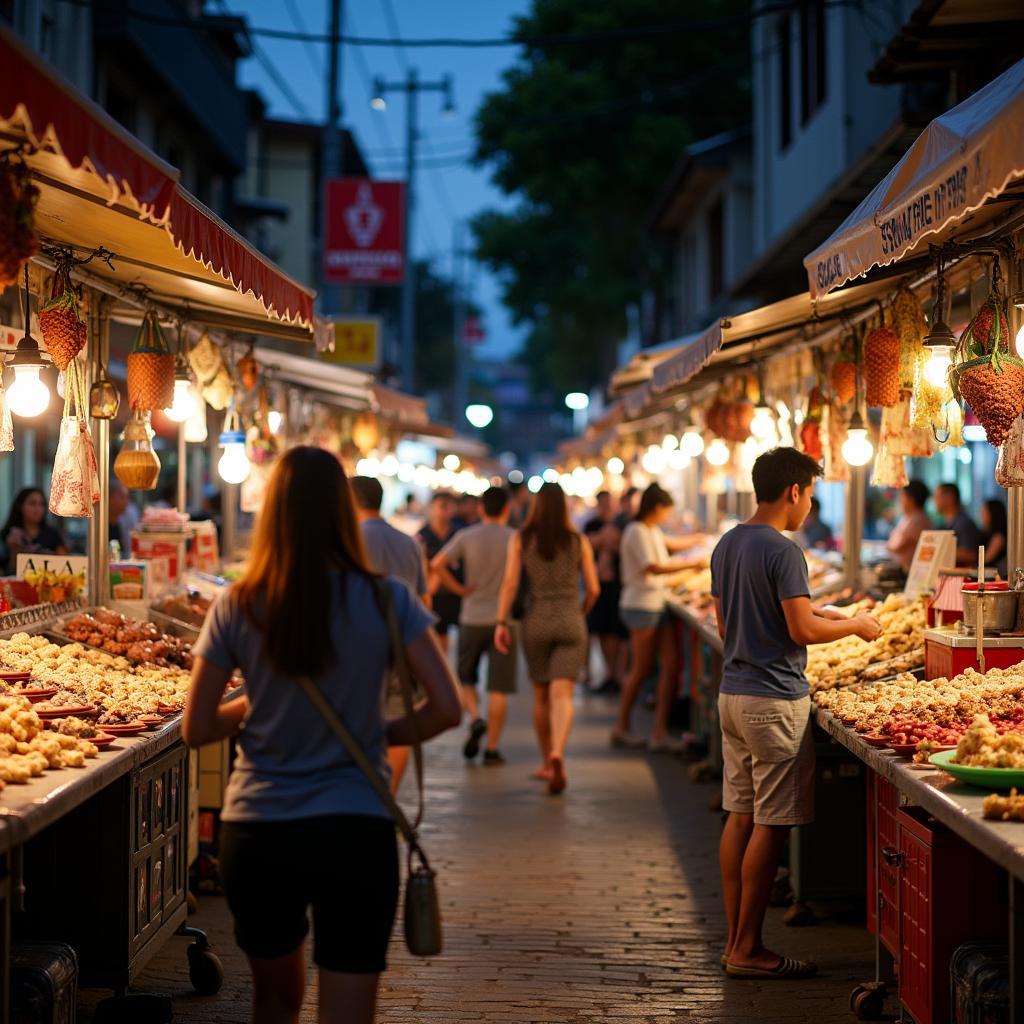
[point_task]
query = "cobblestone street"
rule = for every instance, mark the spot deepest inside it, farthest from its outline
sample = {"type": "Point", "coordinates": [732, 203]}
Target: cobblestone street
{"type": "Point", "coordinates": [602, 905]}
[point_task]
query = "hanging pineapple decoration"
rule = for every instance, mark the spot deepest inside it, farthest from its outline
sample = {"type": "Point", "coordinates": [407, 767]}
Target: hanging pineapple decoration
{"type": "Point", "coordinates": [882, 366]}
{"type": "Point", "coordinates": [988, 375]}
{"type": "Point", "coordinates": [843, 375]}
{"type": "Point", "coordinates": [18, 198]}
{"type": "Point", "coordinates": [60, 320]}
{"type": "Point", "coordinates": [150, 367]}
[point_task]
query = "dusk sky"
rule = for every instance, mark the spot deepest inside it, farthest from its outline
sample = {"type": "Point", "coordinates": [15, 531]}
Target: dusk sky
{"type": "Point", "coordinates": [452, 189]}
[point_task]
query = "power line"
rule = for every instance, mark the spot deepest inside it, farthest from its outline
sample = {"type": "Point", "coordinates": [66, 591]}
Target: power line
{"type": "Point", "coordinates": [550, 39]}
{"type": "Point", "coordinates": [314, 54]}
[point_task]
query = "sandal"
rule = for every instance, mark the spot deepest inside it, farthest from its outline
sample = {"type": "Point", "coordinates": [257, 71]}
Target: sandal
{"type": "Point", "coordinates": [787, 967]}
{"type": "Point", "coordinates": [724, 960]}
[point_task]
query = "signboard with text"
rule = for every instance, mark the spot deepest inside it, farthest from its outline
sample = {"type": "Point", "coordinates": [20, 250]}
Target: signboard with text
{"type": "Point", "coordinates": [936, 549]}
{"type": "Point", "coordinates": [364, 231]}
{"type": "Point", "coordinates": [356, 343]}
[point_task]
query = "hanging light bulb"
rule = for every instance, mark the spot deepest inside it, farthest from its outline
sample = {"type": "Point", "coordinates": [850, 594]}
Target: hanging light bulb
{"type": "Point", "coordinates": [691, 443]}
{"type": "Point", "coordinates": [857, 449]}
{"type": "Point", "coordinates": [762, 426]}
{"type": "Point", "coordinates": [234, 465]}
{"type": "Point", "coordinates": [183, 405]}
{"type": "Point", "coordinates": [28, 396]}
{"type": "Point", "coordinates": [678, 460]}
{"type": "Point", "coordinates": [940, 341]}
{"type": "Point", "coordinates": [670, 443]}
{"type": "Point", "coordinates": [654, 460]}
{"type": "Point", "coordinates": [717, 453]}
{"type": "Point", "coordinates": [616, 466]}
{"type": "Point", "coordinates": [275, 419]}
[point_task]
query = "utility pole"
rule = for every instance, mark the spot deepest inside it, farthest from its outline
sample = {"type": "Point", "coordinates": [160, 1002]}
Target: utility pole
{"type": "Point", "coordinates": [412, 87]}
{"type": "Point", "coordinates": [331, 151]}
{"type": "Point", "coordinates": [461, 396]}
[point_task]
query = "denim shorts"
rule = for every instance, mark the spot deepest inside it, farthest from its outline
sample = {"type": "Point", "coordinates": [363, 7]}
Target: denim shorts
{"type": "Point", "coordinates": [642, 618]}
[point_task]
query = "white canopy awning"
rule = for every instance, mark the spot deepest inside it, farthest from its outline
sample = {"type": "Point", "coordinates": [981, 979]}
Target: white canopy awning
{"type": "Point", "coordinates": [962, 159]}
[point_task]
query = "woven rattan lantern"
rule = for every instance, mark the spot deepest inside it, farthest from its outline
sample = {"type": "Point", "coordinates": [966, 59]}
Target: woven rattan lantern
{"type": "Point", "coordinates": [137, 466]}
{"type": "Point", "coordinates": [150, 367]}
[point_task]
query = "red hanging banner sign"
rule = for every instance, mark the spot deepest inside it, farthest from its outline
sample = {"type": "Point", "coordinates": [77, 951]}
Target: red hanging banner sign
{"type": "Point", "coordinates": [364, 231]}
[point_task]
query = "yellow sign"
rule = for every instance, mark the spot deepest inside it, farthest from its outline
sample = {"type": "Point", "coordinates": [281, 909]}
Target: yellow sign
{"type": "Point", "coordinates": [356, 343]}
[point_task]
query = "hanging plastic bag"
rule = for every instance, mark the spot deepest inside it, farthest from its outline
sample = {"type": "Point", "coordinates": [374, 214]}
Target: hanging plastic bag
{"type": "Point", "coordinates": [6, 423]}
{"type": "Point", "coordinates": [75, 487]}
{"type": "Point", "coordinates": [900, 436]}
{"type": "Point", "coordinates": [889, 470]}
{"type": "Point", "coordinates": [1010, 465]}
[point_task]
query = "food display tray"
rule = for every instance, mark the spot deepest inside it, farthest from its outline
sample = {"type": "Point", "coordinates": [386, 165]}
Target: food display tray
{"type": "Point", "coordinates": [986, 778]}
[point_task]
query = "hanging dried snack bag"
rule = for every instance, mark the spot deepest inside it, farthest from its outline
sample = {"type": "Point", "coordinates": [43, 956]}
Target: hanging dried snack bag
{"type": "Point", "coordinates": [987, 376]}
{"type": "Point", "coordinates": [882, 367]}
{"type": "Point", "coordinates": [61, 323]}
{"type": "Point", "coordinates": [74, 487]}
{"type": "Point", "coordinates": [150, 367]}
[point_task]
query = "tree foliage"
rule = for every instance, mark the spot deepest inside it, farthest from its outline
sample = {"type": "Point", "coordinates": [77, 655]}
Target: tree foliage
{"type": "Point", "coordinates": [582, 136]}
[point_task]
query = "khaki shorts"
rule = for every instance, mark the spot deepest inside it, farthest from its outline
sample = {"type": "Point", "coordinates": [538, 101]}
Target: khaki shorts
{"type": "Point", "coordinates": [768, 748]}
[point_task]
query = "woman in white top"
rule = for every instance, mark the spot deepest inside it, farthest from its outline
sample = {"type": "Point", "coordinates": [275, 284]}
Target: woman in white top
{"type": "Point", "coordinates": [644, 553]}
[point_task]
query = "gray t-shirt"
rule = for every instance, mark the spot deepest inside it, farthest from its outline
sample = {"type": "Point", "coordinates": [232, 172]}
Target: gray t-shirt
{"type": "Point", "coordinates": [394, 553]}
{"type": "Point", "coordinates": [289, 763]}
{"type": "Point", "coordinates": [754, 568]}
{"type": "Point", "coordinates": [482, 550]}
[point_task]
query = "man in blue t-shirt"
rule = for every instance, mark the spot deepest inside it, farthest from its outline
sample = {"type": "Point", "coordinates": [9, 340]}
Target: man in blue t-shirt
{"type": "Point", "coordinates": [766, 621]}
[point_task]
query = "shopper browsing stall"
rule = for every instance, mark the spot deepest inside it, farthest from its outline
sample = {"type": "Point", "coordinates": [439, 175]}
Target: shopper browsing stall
{"type": "Point", "coordinates": [951, 509]}
{"type": "Point", "coordinates": [766, 621]}
{"type": "Point", "coordinates": [298, 809]}
{"type": "Point", "coordinates": [604, 621]}
{"type": "Point", "coordinates": [482, 550]}
{"type": "Point", "coordinates": [437, 531]}
{"type": "Point", "coordinates": [645, 613]}
{"type": "Point", "coordinates": [902, 542]}
{"type": "Point", "coordinates": [27, 531]}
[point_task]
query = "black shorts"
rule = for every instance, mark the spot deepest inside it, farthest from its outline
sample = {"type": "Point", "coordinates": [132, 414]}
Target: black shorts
{"type": "Point", "coordinates": [604, 618]}
{"type": "Point", "coordinates": [344, 866]}
{"type": "Point", "coordinates": [446, 609]}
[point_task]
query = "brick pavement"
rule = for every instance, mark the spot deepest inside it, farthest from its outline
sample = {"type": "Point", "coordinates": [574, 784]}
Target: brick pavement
{"type": "Point", "coordinates": [602, 905]}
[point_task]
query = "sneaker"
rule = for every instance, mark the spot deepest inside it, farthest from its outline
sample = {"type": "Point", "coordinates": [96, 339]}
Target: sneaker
{"type": "Point", "coordinates": [476, 734]}
{"type": "Point", "coordinates": [626, 740]}
{"type": "Point", "coordinates": [665, 745]}
{"type": "Point", "coordinates": [494, 757]}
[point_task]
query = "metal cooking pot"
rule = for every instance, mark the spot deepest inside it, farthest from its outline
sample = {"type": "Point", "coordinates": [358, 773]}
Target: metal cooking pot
{"type": "Point", "coordinates": [999, 612]}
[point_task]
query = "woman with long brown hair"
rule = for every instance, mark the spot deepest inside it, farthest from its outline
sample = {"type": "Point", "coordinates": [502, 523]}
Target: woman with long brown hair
{"type": "Point", "coordinates": [553, 556]}
{"type": "Point", "coordinates": [302, 826]}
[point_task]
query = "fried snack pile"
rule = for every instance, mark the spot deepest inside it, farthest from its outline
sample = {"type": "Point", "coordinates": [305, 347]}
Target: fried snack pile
{"type": "Point", "coordinates": [140, 642]}
{"type": "Point", "coordinates": [86, 677]}
{"type": "Point", "coordinates": [26, 750]}
{"type": "Point", "coordinates": [1003, 808]}
{"type": "Point", "coordinates": [851, 660]}
{"type": "Point", "coordinates": [985, 746]}
{"type": "Point", "coordinates": [905, 703]}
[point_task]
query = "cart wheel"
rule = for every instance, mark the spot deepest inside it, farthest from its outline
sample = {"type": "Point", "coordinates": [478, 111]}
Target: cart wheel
{"type": "Point", "coordinates": [868, 1001]}
{"type": "Point", "coordinates": [205, 970]}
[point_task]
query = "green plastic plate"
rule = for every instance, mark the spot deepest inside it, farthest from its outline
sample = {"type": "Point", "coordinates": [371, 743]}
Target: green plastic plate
{"type": "Point", "coordinates": [987, 778]}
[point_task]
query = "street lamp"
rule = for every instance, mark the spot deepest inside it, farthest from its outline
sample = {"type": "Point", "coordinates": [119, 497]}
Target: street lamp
{"type": "Point", "coordinates": [479, 416]}
{"type": "Point", "coordinates": [577, 401]}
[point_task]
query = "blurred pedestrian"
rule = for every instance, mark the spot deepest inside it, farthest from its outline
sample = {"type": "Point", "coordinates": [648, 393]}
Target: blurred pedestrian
{"type": "Point", "coordinates": [482, 550]}
{"type": "Point", "coordinates": [467, 511]}
{"type": "Point", "coordinates": [519, 504]}
{"type": "Point", "coordinates": [554, 558]}
{"type": "Point", "coordinates": [27, 530]}
{"type": "Point", "coordinates": [432, 537]}
{"type": "Point", "coordinates": [302, 826]}
{"type": "Point", "coordinates": [902, 542]}
{"type": "Point", "coordinates": [955, 518]}
{"type": "Point", "coordinates": [604, 621]}
{"type": "Point", "coordinates": [391, 553]}
{"type": "Point", "coordinates": [993, 534]}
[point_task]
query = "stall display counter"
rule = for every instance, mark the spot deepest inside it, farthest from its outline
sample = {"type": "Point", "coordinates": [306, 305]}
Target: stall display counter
{"type": "Point", "coordinates": [948, 652]}
{"type": "Point", "coordinates": [903, 851]}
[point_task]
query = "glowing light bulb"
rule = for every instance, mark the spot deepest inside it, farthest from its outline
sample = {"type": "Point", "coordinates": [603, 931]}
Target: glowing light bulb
{"type": "Point", "coordinates": [857, 449]}
{"type": "Point", "coordinates": [762, 426]}
{"type": "Point", "coordinates": [233, 466]}
{"type": "Point", "coordinates": [654, 460]}
{"type": "Point", "coordinates": [183, 405]}
{"type": "Point", "coordinates": [452, 462]}
{"type": "Point", "coordinates": [692, 444]}
{"type": "Point", "coordinates": [275, 420]}
{"type": "Point", "coordinates": [1019, 341]}
{"type": "Point", "coordinates": [550, 476]}
{"type": "Point", "coordinates": [940, 359]}
{"type": "Point", "coordinates": [389, 465]}
{"type": "Point", "coordinates": [616, 466]}
{"type": "Point", "coordinates": [28, 396]}
{"type": "Point", "coordinates": [670, 443]}
{"type": "Point", "coordinates": [678, 460]}
{"type": "Point", "coordinates": [534, 484]}
{"type": "Point", "coordinates": [717, 453]}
